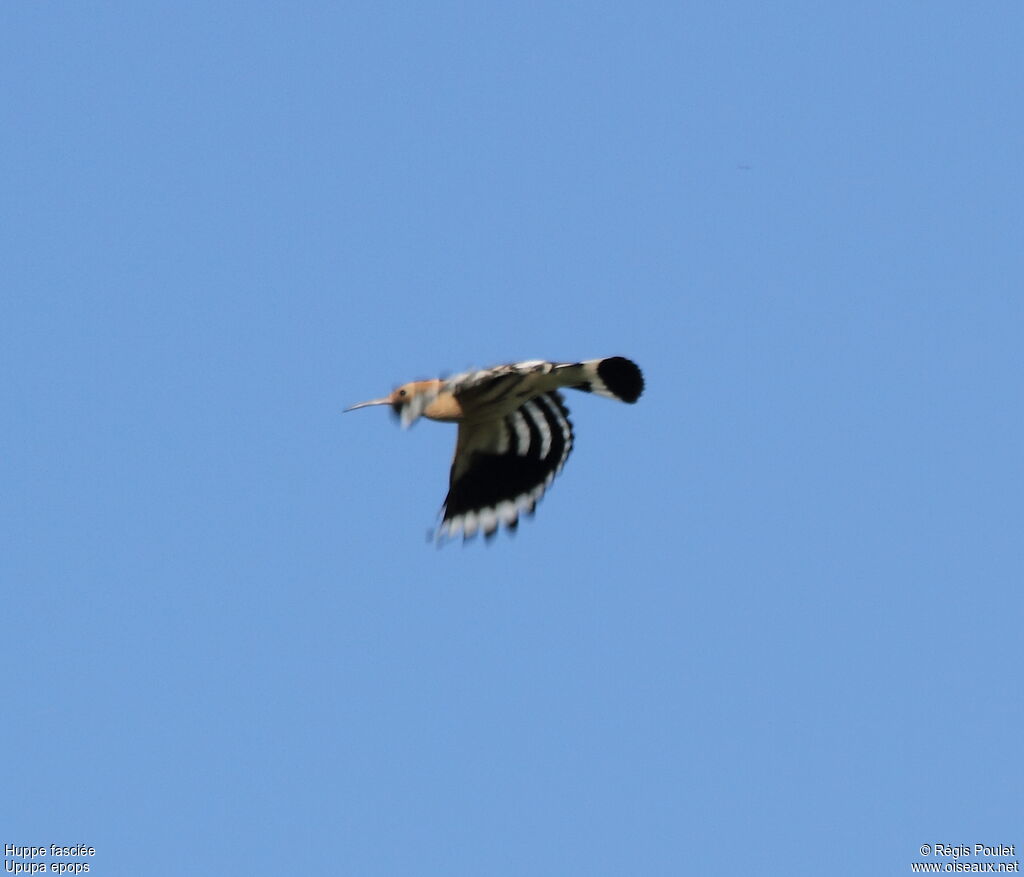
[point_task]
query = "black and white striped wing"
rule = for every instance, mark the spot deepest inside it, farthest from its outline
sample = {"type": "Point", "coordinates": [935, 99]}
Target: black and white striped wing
{"type": "Point", "coordinates": [503, 466]}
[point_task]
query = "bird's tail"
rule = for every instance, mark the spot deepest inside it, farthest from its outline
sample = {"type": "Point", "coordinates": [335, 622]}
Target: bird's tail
{"type": "Point", "coordinates": [614, 377]}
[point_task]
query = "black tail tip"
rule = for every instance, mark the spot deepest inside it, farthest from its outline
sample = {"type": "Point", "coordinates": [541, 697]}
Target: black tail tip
{"type": "Point", "coordinates": [622, 377]}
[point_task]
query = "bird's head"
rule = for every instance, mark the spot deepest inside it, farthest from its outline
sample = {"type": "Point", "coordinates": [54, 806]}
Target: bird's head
{"type": "Point", "coordinates": [400, 399]}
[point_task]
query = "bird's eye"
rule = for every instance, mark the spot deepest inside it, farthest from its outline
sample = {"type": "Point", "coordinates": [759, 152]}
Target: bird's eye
{"type": "Point", "coordinates": [402, 394]}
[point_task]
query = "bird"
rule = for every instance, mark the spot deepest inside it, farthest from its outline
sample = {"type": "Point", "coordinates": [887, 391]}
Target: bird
{"type": "Point", "coordinates": [514, 432]}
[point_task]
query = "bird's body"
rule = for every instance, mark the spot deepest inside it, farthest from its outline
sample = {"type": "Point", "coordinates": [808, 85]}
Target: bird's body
{"type": "Point", "coordinates": [514, 432]}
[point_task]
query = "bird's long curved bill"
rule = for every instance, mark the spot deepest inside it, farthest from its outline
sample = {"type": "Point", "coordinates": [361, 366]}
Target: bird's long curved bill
{"type": "Point", "coordinates": [384, 401]}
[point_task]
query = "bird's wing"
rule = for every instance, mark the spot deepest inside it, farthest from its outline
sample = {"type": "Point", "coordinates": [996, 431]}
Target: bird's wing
{"type": "Point", "coordinates": [503, 466]}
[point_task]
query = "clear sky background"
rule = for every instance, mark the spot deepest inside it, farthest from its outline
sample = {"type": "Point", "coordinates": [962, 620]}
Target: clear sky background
{"type": "Point", "coordinates": [767, 621]}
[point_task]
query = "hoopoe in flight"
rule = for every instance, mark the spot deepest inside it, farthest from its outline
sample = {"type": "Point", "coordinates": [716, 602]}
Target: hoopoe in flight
{"type": "Point", "coordinates": [514, 432]}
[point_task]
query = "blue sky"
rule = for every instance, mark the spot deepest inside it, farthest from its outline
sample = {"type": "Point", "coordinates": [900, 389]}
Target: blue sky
{"type": "Point", "coordinates": [766, 621]}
